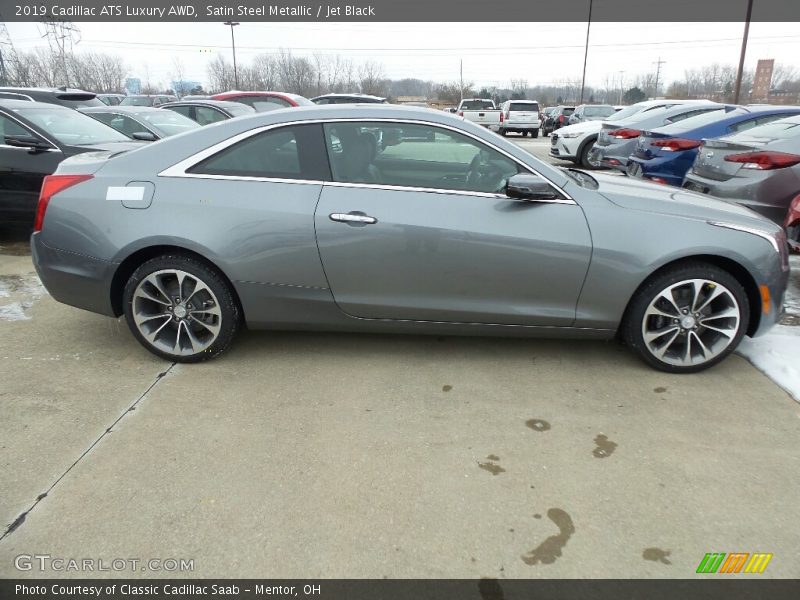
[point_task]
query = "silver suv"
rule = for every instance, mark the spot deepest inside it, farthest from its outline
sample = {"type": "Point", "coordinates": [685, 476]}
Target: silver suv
{"type": "Point", "coordinates": [520, 116]}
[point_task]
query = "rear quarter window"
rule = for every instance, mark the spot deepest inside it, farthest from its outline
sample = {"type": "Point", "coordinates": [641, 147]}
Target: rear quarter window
{"type": "Point", "coordinates": [292, 152]}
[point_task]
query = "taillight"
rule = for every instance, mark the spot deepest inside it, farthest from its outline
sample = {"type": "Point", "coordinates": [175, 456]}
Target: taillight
{"type": "Point", "coordinates": [561, 118]}
{"type": "Point", "coordinates": [676, 144]}
{"type": "Point", "coordinates": [624, 134]}
{"type": "Point", "coordinates": [502, 116]}
{"type": "Point", "coordinates": [52, 185]}
{"type": "Point", "coordinates": [793, 214]}
{"type": "Point", "coordinates": [764, 160]}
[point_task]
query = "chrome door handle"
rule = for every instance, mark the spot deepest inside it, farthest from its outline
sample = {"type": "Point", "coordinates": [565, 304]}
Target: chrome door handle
{"type": "Point", "coordinates": [353, 217]}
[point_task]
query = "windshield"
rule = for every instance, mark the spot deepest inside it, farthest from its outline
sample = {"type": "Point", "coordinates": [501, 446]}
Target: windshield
{"type": "Point", "coordinates": [168, 122]}
{"type": "Point", "coordinates": [598, 111]}
{"type": "Point", "coordinates": [477, 105]}
{"type": "Point", "coordinates": [136, 101]}
{"type": "Point", "coordinates": [777, 130]}
{"type": "Point", "coordinates": [238, 110]}
{"type": "Point", "coordinates": [71, 127]}
{"type": "Point", "coordinates": [701, 120]}
{"type": "Point", "coordinates": [524, 106]}
{"type": "Point", "coordinates": [628, 111]}
{"type": "Point", "coordinates": [567, 111]}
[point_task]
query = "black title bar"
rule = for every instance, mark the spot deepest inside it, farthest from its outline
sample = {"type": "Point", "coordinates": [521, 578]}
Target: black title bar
{"type": "Point", "coordinates": [401, 10]}
{"type": "Point", "coordinates": [713, 587]}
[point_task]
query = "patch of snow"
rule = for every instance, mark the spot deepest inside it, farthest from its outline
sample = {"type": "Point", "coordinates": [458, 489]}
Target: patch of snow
{"type": "Point", "coordinates": [776, 355]}
{"type": "Point", "coordinates": [24, 290]}
{"type": "Point", "coordinates": [13, 312]}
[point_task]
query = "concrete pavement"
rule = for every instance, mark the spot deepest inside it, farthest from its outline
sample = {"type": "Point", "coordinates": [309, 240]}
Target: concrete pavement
{"type": "Point", "coordinates": [313, 455]}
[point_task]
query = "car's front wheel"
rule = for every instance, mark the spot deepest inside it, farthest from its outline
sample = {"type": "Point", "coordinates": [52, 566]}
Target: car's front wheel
{"type": "Point", "coordinates": [181, 309]}
{"type": "Point", "coordinates": [687, 318]}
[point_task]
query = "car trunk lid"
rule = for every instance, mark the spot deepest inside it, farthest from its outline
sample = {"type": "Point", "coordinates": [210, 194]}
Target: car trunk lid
{"type": "Point", "coordinates": [711, 164]}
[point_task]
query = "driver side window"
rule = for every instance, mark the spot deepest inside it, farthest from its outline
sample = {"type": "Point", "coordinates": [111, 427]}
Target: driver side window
{"type": "Point", "coordinates": [411, 155]}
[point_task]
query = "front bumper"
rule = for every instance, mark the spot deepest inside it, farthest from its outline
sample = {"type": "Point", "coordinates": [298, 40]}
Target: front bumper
{"type": "Point", "coordinates": [74, 279]}
{"type": "Point", "coordinates": [563, 147]}
{"type": "Point", "coordinates": [602, 156]}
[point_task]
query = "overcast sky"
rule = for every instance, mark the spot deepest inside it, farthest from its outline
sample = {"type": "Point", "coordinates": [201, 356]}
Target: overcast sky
{"type": "Point", "coordinates": [493, 53]}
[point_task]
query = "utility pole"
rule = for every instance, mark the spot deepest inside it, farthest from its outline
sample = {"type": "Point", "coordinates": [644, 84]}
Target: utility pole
{"type": "Point", "coordinates": [586, 50]}
{"type": "Point", "coordinates": [659, 62]}
{"type": "Point", "coordinates": [621, 85]}
{"type": "Point", "coordinates": [461, 77]}
{"type": "Point", "coordinates": [233, 24]}
{"type": "Point", "coordinates": [740, 72]}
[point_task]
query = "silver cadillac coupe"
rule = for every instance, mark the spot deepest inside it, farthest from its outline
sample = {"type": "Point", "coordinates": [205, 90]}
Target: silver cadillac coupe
{"type": "Point", "coordinates": [393, 219]}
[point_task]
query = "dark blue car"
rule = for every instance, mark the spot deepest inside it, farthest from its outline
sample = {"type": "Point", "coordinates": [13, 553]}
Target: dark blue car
{"type": "Point", "coordinates": [666, 154]}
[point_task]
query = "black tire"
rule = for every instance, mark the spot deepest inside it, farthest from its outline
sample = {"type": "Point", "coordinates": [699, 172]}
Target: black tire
{"type": "Point", "coordinates": [503, 132]}
{"type": "Point", "coordinates": [634, 319]}
{"type": "Point", "coordinates": [219, 294]}
{"type": "Point", "coordinates": [583, 156]}
{"type": "Point", "coordinates": [524, 134]}
{"type": "Point", "coordinates": [535, 133]}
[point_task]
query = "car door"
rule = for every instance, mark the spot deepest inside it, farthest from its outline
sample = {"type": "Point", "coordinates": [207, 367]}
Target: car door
{"type": "Point", "coordinates": [21, 172]}
{"type": "Point", "coordinates": [422, 230]}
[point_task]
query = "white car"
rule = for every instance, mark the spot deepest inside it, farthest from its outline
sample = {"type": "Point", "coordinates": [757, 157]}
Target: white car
{"type": "Point", "coordinates": [574, 142]}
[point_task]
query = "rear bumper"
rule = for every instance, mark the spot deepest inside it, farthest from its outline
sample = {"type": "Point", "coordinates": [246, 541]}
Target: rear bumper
{"type": "Point", "coordinates": [517, 126]}
{"type": "Point", "coordinates": [769, 194]}
{"type": "Point", "coordinates": [74, 279]}
{"type": "Point", "coordinates": [662, 169]}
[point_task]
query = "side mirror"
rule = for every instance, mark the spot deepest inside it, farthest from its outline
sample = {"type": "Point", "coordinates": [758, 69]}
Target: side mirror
{"type": "Point", "coordinates": [524, 186]}
{"type": "Point", "coordinates": [145, 136]}
{"type": "Point", "coordinates": [33, 144]}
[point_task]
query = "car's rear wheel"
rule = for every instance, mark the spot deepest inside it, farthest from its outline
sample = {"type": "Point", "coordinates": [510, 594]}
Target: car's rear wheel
{"type": "Point", "coordinates": [687, 318]}
{"type": "Point", "coordinates": [524, 134]}
{"type": "Point", "coordinates": [535, 133]}
{"type": "Point", "coordinates": [503, 132]}
{"type": "Point", "coordinates": [181, 309]}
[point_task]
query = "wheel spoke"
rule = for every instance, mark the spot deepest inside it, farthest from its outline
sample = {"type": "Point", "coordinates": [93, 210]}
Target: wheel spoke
{"type": "Point", "coordinates": [143, 293]}
{"type": "Point", "coordinates": [199, 286]}
{"type": "Point", "coordinates": [652, 336]}
{"type": "Point", "coordinates": [141, 319]}
{"type": "Point", "coordinates": [662, 351]}
{"type": "Point", "coordinates": [697, 290]}
{"type": "Point", "coordinates": [667, 295]}
{"type": "Point", "coordinates": [212, 327]}
{"type": "Point", "coordinates": [728, 313]}
{"type": "Point", "coordinates": [156, 283]}
{"type": "Point", "coordinates": [718, 291]}
{"type": "Point", "coordinates": [151, 337]}
{"type": "Point", "coordinates": [703, 348]}
{"type": "Point", "coordinates": [729, 333]}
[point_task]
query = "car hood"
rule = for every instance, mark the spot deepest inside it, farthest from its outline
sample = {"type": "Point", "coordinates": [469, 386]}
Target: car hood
{"type": "Point", "coordinates": [636, 194]}
{"type": "Point", "coordinates": [586, 127]}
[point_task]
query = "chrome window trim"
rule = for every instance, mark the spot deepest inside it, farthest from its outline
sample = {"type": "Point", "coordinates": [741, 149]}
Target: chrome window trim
{"type": "Point", "coordinates": [179, 169]}
{"type": "Point", "coordinates": [29, 99]}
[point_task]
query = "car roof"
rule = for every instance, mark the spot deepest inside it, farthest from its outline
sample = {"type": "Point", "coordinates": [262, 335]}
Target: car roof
{"type": "Point", "coordinates": [130, 110]}
{"type": "Point", "coordinates": [207, 102]}
{"type": "Point", "coordinates": [14, 104]}
{"type": "Point", "coordinates": [354, 95]}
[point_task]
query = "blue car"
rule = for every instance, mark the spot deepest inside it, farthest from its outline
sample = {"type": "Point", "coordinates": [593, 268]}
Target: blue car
{"type": "Point", "coordinates": [666, 154]}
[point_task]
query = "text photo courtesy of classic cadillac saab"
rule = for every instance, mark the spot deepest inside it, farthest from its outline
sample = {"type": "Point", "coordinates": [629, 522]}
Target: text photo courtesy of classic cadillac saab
{"type": "Point", "coordinates": [300, 219]}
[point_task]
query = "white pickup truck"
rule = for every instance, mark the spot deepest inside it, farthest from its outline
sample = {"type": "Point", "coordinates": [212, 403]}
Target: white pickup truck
{"type": "Point", "coordinates": [481, 111]}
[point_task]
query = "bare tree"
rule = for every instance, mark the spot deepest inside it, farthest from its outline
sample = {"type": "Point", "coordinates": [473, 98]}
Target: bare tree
{"type": "Point", "coordinates": [371, 79]}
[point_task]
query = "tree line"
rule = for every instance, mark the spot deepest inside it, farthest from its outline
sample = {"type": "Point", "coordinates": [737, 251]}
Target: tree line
{"type": "Point", "coordinates": [325, 73]}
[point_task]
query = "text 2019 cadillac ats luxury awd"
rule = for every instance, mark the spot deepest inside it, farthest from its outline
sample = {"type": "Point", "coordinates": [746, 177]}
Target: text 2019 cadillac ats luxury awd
{"type": "Point", "coordinates": [394, 219]}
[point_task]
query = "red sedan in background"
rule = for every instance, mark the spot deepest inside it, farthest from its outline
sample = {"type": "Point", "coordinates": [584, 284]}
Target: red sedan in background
{"type": "Point", "coordinates": [264, 101]}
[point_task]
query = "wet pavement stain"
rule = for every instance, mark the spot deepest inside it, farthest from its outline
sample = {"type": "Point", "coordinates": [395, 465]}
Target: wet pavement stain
{"type": "Point", "coordinates": [537, 516]}
{"type": "Point", "coordinates": [492, 468]}
{"type": "Point", "coordinates": [538, 424]}
{"type": "Point", "coordinates": [549, 550]}
{"type": "Point", "coordinates": [447, 388]}
{"type": "Point", "coordinates": [605, 447]}
{"type": "Point", "coordinates": [493, 457]}
{"type": "Point", "coordinates": [657, 555]}
{"type": "Point", "coordinates": [660, 390]}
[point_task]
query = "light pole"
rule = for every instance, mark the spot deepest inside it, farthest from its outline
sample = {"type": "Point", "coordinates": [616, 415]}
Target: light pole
{"type": "Point", "coordinates": [740, 72]}
{"type": "Point", "coordinates": [233, 24]}
{"type": "Point", "coordinates": [586, 51]}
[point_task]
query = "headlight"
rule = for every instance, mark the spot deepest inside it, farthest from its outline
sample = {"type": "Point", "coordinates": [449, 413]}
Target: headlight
{"type": "Point", "coordinates": [777, 239]}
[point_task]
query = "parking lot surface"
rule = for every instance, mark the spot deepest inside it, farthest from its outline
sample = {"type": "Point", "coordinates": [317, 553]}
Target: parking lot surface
{"type": "Point", "coordinates": [320, 455]}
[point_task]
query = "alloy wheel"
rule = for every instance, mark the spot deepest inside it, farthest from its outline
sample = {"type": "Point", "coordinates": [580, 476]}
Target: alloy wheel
{"type": "Point", "coordinates": [691, 322]}
{"type": "Point", "coordinates": [176, 312]}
